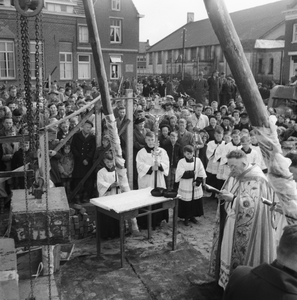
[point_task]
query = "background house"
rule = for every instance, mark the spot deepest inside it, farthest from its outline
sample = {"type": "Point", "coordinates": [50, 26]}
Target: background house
{"type": "Point", "coordinates": [261, 30]}
{"type": "Point", "coordinates": [67, 51]}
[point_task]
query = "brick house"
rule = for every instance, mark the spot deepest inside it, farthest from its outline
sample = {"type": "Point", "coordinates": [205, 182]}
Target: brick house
{"type": "Point", "coordinates": [261, 30]}
{"type": "Point", "coordinates": [67, 51]}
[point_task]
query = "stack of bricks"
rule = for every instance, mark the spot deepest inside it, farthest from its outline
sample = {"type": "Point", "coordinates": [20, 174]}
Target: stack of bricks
{"type": "Point", "coordinates": [80, 224]}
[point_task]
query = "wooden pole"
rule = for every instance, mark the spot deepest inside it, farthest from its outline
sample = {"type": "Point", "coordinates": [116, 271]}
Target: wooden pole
{"type": "Point", "coordinates": [104, 90]}
{"type": "Point", "coordinates": [234, 54]}
{"type": "Point", "coordinates": [129, 136]}
{"type": "Point", "coordinates": [97, 56]}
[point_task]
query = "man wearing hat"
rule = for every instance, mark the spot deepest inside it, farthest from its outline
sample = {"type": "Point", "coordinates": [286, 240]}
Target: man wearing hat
{"type": "Point", "coordinates": [226, 123]}
{"type": "Point", "coordinates": [83, 146]}
{"type": "Point", "coordinates": [200, 88]}
{"type": "Point", "coordinates": [227, 91]}
{"type": "Point", "coordinates": [244, 122]}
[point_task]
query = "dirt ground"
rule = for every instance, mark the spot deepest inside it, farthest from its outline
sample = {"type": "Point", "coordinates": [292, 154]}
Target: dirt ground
{"type": "Point", "coordinates": [151, 270]}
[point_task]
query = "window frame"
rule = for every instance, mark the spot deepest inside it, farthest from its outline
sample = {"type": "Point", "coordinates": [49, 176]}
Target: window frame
{"type": "Point", "coordinates": [260, 66]}
{"type": "Point", "coordinates": [82, 63]}
{"type": "Point", "coordinates": [7, 61]}
{"type": "Point", "coordinates": [271, 65]}
{"type": "Point", "coordinates": [116, 5]}
{"type": "Point", "coordinates": [294, 37]}
{"type": "Point", "coordinates": [80, 34]}
{"type": "Point", "coordinates": [32, 70]}
{"type": "Point", "coordinates": [66, 63]}
{"type": "Point", "coordinates": [117, 65]}
{"type": "Point", "coordinates": [115, 29]}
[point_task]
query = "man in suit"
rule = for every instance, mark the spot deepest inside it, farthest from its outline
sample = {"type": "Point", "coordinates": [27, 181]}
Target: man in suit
{"type": "Point", "coordinates": [214, 84]}
{"type": "Point", "coordinates": [200, 87]}
{"type": "Point", "coordinates": [268, 281]}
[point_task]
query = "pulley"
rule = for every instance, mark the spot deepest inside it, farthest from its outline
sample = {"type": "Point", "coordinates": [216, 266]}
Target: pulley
{"type": "Point", "coordinates": [28, 8]}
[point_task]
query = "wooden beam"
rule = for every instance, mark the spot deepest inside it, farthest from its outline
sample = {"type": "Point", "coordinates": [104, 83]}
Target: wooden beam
{"type": "Point", "coordinates": [14, 139]}
{"type": "Point", "coordinates": [239, 66]}
{"type": "Point", "coordinates": [73, 114]}
{"type": "Point", "coordinates": [74, 130]}
{"type": "Point", "coordinates": [78, 187]}
{"type": "Point", "coordinates": [16, 173]}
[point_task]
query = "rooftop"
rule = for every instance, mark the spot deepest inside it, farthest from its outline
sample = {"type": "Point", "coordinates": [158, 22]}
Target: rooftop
{"type": "Point", "coordinates": [250, 24]}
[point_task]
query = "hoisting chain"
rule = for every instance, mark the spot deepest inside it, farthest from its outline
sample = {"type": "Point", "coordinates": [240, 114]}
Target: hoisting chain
{"type": "Point", "coordinates": [37, 77]}
{"type": "Point", "coordinates": [46, 179]}
{"type": "Point", "coordinates": [27, 85]}
{"type": "Point", "coordinates": [42, 52]}
{"type": "Point", "coordinates": [18, 44]}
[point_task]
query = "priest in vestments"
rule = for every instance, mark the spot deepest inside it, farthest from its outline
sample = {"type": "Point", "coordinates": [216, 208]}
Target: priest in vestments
{"type": "Point", "coordinates": [244, 233]}
{"type": "Point", "coordinates": [150, 164]}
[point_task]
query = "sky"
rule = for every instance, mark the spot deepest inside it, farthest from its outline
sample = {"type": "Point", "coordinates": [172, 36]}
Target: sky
{"type": "Point", "coordinates": [162, 17]}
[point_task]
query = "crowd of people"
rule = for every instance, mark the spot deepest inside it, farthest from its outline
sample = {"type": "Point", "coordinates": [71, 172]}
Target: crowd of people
{"type": "Point", "coordinates": [182, 144]}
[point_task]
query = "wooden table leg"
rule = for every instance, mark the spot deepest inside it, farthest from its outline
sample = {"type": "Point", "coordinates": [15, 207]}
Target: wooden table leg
{"type": "Point", "coordinates": [122, 237]}
{"type": "Point", "coordinates": [98, 232]}
{"type": "Point", "coordinates": [174, 223]}
{"type": "Point", "coordinates": [149, 223]}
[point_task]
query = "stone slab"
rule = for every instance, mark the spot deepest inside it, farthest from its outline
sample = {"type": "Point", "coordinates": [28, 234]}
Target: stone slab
{"type": "Point", "coordinates": [58, 214]}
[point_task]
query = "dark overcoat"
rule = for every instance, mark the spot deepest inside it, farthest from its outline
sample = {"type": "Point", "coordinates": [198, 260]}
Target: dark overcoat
{"type": "Point", "coordinates": [261, 283]}
{"type": "Point", "coordinates": [82, 148]}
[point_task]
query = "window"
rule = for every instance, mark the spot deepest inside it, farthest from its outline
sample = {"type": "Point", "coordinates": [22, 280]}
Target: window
{"type": "Point", "coordinates": [114, 71]}
{"type": "Point", "coordinates": [294, 38]}
{"type": "Point", "coordinates": [66, 65]}
{"type": "Point", "coordinates": [84, 66]}
{"type": "Point", "coordinates": [150, 58]}
{"type": "Point", "coordinates": [115, 31]}
{"type": "Point", "coordinates": [207, 53]}
{"type": "Point", "coordinates": [115, 66]}
{"type": "Point", "coordinates": [169, 56]}
{"type": "Point", "coordinates": [62, 8]}
{"type": "Point", "coordinates": [159, 57]}
{"type": "Point", "coordinates": [271, 62]}
{"type": "Point", "coordinates": [32, 60]}
{"type": "Point", "coordinates": [83, 34]}
{"type": "Point", "coordinates": [7, 60]}
{"type": "Point", "coordinates": [115, 5]}
{"type": "Point", "coordinates": [193, 54]}
{"type": "Point", "coordinates": [260, 66]}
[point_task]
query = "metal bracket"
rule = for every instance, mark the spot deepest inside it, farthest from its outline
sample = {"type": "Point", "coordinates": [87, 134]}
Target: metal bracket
{"type": "Point", "coordinates": [22, 7]}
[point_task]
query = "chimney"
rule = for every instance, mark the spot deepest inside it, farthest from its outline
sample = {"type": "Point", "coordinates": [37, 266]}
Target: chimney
{"type": "Point", "coordinates": [190, 17]}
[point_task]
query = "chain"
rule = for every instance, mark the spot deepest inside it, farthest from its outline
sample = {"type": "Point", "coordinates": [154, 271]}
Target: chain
{"type": "Point", "coordinates": [46, 179]}
{"type": "Point", "coordinates": [27, 80]}
{"type": "Point", "coordinates": [26, 70]}
{"type": "Point", "coordinates": [42, 51]}
{"type": "Point", "coordinates": [37, 76]}
{"type": "Point", "coordinates": [18, 49]}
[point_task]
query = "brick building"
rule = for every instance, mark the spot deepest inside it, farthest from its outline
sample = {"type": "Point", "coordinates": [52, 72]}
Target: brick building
{"type": "Point", "coordinates": [67, 51]}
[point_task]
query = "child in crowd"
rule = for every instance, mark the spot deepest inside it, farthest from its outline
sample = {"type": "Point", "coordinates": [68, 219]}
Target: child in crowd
{"type": "Point", "coordinates": [175, 153]}
{"type": "Point", "coordinates": [73, 122]}
{"type": "Point", "coordinates": [213, 165]}
{"type": "Point", "coordinates": [100, 152]}
{"type": "Point", "coordinates": [227, 137]}
{"type": "Point", "coordinates": [191, 178]}
{"type": "Point", "coordinates": [63, 130]}
{"type": "Point", "coordinates": [107, 184]}
{"type": "Point", "coordinates": [244, 132]}
{"type": "Point", "coordinates": [221, 156]}
{"type": "Point", "coordinates": [202, 151]}
{"type": "Point", "coordinates": [66, 164]}
{"type": "Point", "coordinates": [252, 155]}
